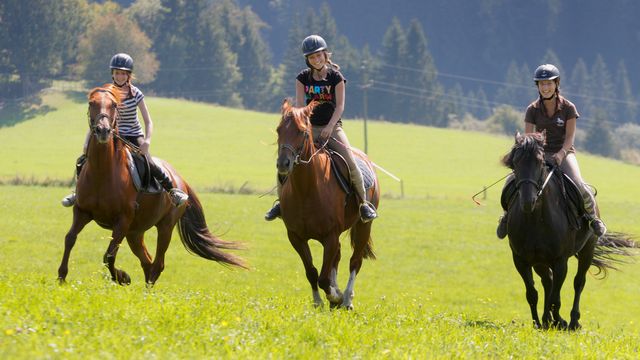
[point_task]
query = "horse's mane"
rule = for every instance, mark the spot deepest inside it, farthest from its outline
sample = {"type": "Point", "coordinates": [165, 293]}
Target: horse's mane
{"type": "Point", "coordinates": [299, 116]}
{"type": "Point", "coordinates": [109, 89]}
{"type": "Point", "coordinates": [531, 144]}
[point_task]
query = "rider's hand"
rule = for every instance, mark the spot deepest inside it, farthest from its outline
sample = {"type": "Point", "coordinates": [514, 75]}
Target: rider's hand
{"type": "Point", "coordinates": [326, 133]}
{"type": "Point", "coordinates": [559, 156]}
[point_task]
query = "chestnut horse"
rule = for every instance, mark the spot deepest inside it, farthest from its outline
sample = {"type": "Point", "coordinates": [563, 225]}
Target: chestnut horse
{"type": "Point", "coordinates": [314, 206]}
{"type": "Point", "coordinates": [541, 236]}
{"type": "Point", "coordinates": [106, 195]}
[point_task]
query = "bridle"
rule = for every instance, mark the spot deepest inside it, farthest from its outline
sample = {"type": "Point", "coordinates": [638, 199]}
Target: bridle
{"type": "Point", "coordinates": [93, 126]}
{"type": "Point", "coordinates": [298, 152]}
{"type": "Point", "coordinates": [537, 183]}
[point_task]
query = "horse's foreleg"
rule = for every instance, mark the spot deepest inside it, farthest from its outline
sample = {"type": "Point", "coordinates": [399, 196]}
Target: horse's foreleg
{"type": "Point", "coordinates": [585, 256]}
{"type": "Point", "coordinates": [559, 275]}
{"type": "Point", "coordinates": [532, 295]}
{"type": "Point", "coordinates": [331, 247]}
{"type": "Point", "coordinates": [136, 243]}
{"type": "Point", "coordinates": [302, 248]}
{"type": "Point", "coordinates": [109, 259]}
{"type": "Point", "coordinates": [80, 220]}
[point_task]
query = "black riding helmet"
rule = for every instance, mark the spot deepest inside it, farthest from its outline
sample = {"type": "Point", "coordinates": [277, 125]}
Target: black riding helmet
{"type": "Point", "coordinates": [121, 61]}
{"type": "Point", "coordinates": [546, 72]}
{"type": "Point", "coordinates": [312, 44]}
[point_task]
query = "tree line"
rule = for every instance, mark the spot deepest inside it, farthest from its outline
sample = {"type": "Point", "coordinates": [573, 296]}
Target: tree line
{"type": "Point", "coordinates": [214, 51]}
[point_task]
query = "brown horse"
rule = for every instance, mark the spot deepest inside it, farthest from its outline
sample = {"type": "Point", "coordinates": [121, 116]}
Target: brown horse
{"type": "Point", "coordinates": [314, 206]}
{"type": "Point", "coordinates": [541, 236]}
{"type": "Point", "coordinates": [106, 195]}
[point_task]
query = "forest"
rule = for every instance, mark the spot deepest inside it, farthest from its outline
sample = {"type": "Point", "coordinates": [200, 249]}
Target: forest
{"type": "Point", "coordinates": [458, 64]}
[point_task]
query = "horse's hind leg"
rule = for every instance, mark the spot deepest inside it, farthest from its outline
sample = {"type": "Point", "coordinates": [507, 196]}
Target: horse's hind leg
{"type": "Point", "coordinates": [136, 243]}
{"type": "Point", "coordinates": [547, 280]}
{"type": "Point", "coordinates": [80, 220]}
{"type": "Point", "coordinates": [109, 259]}
{"type": "Point", "coordinates": [559, 275]}
{"type": "Point", "coordinates": [302, 248]}
{"type": "Point", "coordinates": [532, 295]}
{"type": "Point", "coordinates": [331, 254]}
{"type": "Point", "coordinates": [585, 257]}
{"type": "Point", "coordinates": [360, 238]}
{"type": "Point", "coordinates": [164, 239]}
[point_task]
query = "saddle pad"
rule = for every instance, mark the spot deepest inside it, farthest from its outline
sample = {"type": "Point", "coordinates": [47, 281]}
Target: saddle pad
{"type": "Point", "coordinates": [341, 170]}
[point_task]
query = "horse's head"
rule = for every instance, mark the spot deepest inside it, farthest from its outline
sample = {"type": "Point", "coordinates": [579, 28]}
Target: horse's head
{"type": "Point", "coordinates": [103, 110]}
{"type": "Point", "coordinates": [526, 159]}
{"type": "Point", "coordinates": [294, 136]}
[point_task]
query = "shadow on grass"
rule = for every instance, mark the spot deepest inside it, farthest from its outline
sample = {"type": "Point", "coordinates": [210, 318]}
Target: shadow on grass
{"type": "Point", "coordinates": [13, 112]}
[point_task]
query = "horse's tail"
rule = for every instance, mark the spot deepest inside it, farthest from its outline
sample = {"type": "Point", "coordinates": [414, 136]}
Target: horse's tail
{"type": "Point", "coordinates": [197, 238]}
{"type": "Point", "coordinates": [610, 251]}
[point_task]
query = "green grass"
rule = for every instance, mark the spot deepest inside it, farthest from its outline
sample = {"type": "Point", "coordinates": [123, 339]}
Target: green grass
{"type": "Point", "coordinates": [443, 286]}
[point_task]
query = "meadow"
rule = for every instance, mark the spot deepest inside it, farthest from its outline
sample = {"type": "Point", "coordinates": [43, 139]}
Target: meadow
{"type": "Point", "coordinates": [443, 285]}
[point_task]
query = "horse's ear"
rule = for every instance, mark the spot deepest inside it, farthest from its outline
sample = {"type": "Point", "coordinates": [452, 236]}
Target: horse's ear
{"type": "Point", "coordinates": [286, 105]}
{"type": "Point", "coordinates": [517, 136]}
{"type": "Point", "coordinates": [309, 108]}
{"type": "Point", "coordinates": [544, 136]}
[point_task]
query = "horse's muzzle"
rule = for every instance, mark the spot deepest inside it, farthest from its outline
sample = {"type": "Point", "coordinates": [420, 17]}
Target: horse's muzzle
{"type": "Point", "coordinates": [284, 164]}
{"type": "Point", "coordinates": [102, 133]}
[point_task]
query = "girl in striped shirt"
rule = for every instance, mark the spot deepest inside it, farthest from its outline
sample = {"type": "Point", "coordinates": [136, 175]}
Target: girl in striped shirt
{"type": "Point", "coordinates": [129, 126]}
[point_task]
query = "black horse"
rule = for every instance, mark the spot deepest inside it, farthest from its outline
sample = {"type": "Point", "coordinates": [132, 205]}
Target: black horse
{"type": "Point", "coordinates": [543, 237]}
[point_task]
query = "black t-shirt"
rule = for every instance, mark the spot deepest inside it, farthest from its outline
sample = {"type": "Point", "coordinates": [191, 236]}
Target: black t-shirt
{"type": "Point", "coordinates": [322, 91]}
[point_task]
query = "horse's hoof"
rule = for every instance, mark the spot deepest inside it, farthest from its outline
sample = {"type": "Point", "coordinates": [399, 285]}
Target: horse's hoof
{"type": "Point", "coordinates": [574, 326]}
{"type": "Point", "coordinates": [149, 285]}
{"type": "Point", "coordinates": [348, 307]}
{"type": "Point", "coordinates": [123, 278]}
{"type": "Point", "coordinates": [62, 281]}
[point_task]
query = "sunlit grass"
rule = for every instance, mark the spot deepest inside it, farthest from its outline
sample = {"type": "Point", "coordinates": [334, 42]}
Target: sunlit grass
{"type": "Point", "coordinates": [443, 286]}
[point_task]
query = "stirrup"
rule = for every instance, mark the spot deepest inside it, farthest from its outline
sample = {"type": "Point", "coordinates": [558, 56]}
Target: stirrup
{"type": "Point", "coordinates": [178, 197]}
{"type": "Point", "coordinates": [69, 200]}
{"type": "Point", "coordinates": [367, 212]}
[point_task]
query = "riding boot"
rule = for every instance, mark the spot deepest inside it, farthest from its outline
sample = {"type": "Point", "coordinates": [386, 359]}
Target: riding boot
{"type": "Point", "coordinates": [178, 197]}
{"type": "Point", "coordinates": [70, 199]}
{"type": "Point", "coordinates": [275, 212]}
{"type": "Point", "coordinates": [501, 231]}
{"type": "Point", "coordinates": [367, 210]}
{"type": "Point", "coordinates": [596, 224]}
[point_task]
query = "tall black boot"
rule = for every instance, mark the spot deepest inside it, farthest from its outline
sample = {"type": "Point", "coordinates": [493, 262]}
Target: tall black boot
{"type": "Point", "coordinates": [178, 197]}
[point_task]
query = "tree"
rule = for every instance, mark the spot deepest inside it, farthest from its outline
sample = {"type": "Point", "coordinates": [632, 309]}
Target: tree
{"type": "Point", "coordinates": [603, 90]}
{"type": "Point", "coordinates": [389, 85]}
{"type": "Point", "coordinates": [579, 86]}
{"type": "Point", "coordinates": [110, 35]}
{"type": "Point", "coordinates": [38, 38]}
{"type": "Point", "coordinates": [629, 108]}
{"type": "Point", "coordinates": [426, 105]}
{"type": "Point", "coordinates": [599, 139]}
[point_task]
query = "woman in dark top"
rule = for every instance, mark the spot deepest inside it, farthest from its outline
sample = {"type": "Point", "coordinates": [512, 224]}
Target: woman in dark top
{"type": "Point", "coordinates": [322, 82]}
{"type": "Point", "coordinates": [557, 116]}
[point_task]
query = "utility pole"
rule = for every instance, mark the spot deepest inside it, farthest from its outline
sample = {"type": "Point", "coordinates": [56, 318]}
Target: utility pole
{"type": "Point", "coordinates": [366, 84]}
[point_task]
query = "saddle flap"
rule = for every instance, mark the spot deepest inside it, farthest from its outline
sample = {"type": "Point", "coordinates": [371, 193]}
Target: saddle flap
{"type": "Point", "coordinates": [141, 174]}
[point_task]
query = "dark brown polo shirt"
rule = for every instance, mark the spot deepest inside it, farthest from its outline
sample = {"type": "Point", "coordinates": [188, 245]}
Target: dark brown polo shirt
{"type": "Point", "coordinates": [555, 125]}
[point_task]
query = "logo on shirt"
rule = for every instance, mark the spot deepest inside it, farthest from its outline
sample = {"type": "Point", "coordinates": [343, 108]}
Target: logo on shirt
{"type": "Point", "coordinates": [559, 122]}
{"type": "Point", "coordinates": [321, 93]}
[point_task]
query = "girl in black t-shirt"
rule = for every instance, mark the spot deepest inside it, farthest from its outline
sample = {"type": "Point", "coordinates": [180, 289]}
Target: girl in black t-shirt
{"type": "Point", "coordinates": [322, 82]}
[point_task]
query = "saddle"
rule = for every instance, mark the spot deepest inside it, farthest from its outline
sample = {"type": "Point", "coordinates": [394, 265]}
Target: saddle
{"type": "Point", "coordinates": [342, 172]}
{"type": "Point", "coordinates": [571, 195]}
{"type": "Point", "coordinates": [140, 171]}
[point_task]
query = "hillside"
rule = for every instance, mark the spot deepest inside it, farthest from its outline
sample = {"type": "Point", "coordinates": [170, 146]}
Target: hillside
{"type": "Point", "coordinates": [213, 146]}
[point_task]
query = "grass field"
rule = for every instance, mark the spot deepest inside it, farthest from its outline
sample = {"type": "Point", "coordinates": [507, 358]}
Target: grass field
{"type": "Point", "coordinates": [443, 286]}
